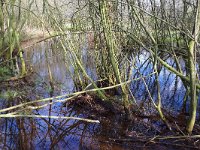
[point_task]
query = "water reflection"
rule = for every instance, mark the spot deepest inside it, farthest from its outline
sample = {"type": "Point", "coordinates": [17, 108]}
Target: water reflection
{"type": "Point", "coordinates": [43, 134]}
{"type": "Point", "coordinates": [46, 133]}
{"type": "Point", "coordinates": [172, 88]}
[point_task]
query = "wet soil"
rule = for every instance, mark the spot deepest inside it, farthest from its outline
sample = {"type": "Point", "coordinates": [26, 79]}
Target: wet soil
{"type": "Point", "coordinates": [143, 130]}
{"type": "Point", "coordinates": [140, 131]}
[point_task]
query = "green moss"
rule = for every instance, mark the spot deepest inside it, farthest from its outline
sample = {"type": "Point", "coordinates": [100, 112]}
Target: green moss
{"type": "Point", "coordinates": [5, 73]}
{"type": "Point", "coordinates": [9, 94]}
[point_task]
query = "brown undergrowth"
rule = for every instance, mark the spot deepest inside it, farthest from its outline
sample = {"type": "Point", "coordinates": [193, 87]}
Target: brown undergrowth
{"type": "Point", "coordinates": [143, 129]}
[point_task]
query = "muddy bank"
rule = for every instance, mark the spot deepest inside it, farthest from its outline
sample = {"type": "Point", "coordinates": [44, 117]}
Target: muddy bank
{"type": "Point", "coordinates": [142, 131]}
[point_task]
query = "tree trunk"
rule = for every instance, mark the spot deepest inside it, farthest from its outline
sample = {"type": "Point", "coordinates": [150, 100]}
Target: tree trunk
{"type": "Point", "coordinates": [192, 70]}
{"type": "Point", "coordinates": [111, 46]}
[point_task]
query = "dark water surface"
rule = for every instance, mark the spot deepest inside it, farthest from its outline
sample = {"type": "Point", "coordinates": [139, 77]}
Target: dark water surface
{"type": "Point", "coordinates": [47, 133]}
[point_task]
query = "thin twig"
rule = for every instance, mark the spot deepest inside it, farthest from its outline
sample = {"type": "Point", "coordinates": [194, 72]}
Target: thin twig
{"type": "Point", "coordinates": [53, 117]}
{"type": "Point", "coordinates": [69, 95]}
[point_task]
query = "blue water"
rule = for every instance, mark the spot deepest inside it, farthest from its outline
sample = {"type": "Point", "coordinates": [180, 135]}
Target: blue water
{"type": "Point", "coordinates": [32, 133]}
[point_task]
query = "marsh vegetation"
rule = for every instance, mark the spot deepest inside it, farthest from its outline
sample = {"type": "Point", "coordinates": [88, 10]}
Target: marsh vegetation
{"type": "Point", "coordinates": [99, 74]}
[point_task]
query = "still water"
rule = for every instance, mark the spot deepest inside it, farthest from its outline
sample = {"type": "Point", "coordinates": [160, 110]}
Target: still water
{"type": "Point", "coordinates": [46, 58]}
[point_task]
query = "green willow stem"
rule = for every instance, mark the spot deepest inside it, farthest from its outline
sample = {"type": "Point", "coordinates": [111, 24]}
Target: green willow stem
{"type": "Point", "coordinates": [70, 96]}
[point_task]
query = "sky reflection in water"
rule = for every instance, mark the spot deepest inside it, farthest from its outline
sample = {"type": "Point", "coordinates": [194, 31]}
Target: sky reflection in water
{"type": "Point", "coordinates": [26, 133]}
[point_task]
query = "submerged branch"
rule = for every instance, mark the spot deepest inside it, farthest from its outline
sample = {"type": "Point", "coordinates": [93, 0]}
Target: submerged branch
{"type": "Point", "coordinates": [52, 117]}
{"type": "Point", "coordinates": [70, 95]}
{"type": "Point", "coordinates": [177, 137]}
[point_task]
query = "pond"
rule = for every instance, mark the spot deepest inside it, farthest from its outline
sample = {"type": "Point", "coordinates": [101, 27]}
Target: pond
{"type": "Point", "coordinates": [54, 75]}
